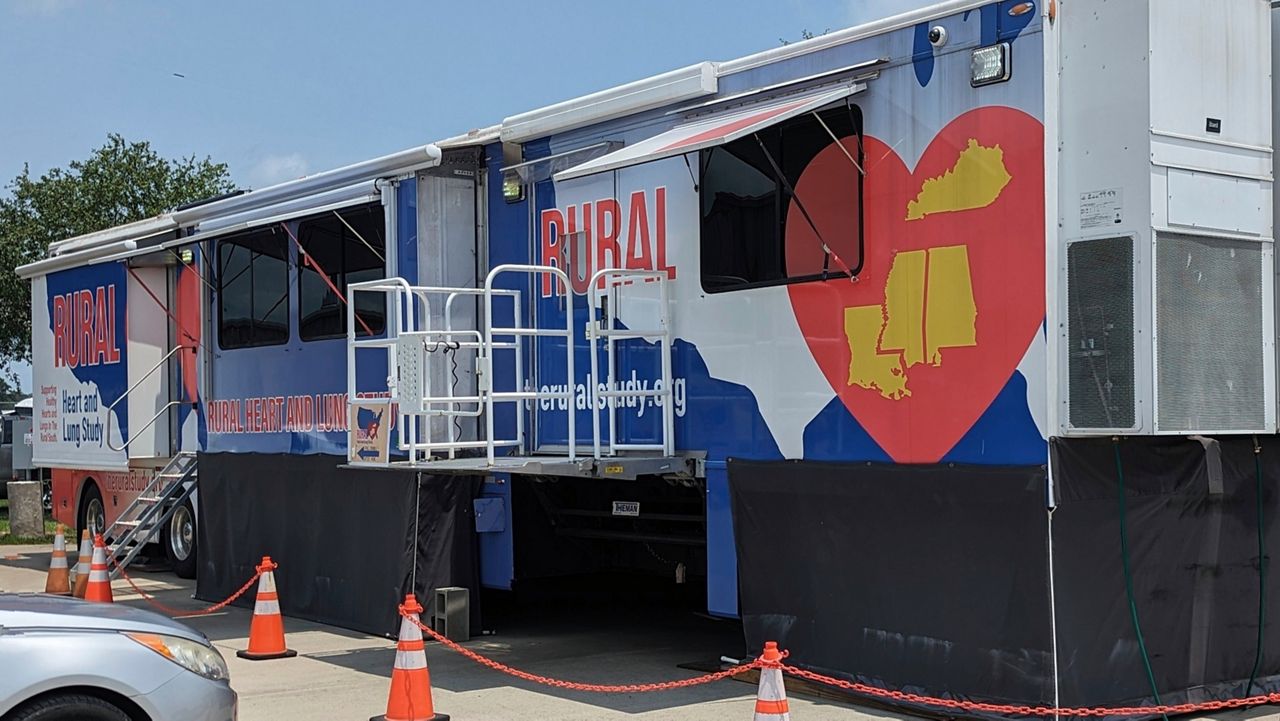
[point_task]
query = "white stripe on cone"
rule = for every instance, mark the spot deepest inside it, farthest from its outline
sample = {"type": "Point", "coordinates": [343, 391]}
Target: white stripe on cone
{"type": "Point", "coordinates": [409, 630]}
{"type": "Point", "coordinates": [267, 608]}
{"type": "Point", "coordinates": [267, 583]}
{"type": "Point", "coordinates": [410, 660]}
{"type": "Point", "coordinates": [59, 558]}
{"type": "Point", "coordinates": [772, 689]}
{"type": "Point", "coordinates": [100, 562]}
{"type": "Point", "coordinates": [82, 558]}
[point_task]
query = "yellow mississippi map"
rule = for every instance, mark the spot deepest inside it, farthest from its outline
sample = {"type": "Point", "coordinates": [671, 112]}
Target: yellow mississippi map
{"type": "Point", "coordinates": [928, 295]}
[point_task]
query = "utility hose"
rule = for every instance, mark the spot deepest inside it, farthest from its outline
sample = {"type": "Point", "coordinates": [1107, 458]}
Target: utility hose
{"type": "Point", "coordinates": [1128, 580]}
{"type": "Point", "coordinates": [1262, 568]}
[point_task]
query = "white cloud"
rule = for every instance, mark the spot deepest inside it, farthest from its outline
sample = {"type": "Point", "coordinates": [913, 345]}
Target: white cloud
{"type": "Point", "coordinates": [862, 11]}
{"type": "Point", "coordinates": [272, 169]}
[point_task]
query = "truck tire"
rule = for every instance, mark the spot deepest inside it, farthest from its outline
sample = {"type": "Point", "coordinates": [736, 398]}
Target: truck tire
{"type": "Point", "coordinates": [69, 707]}
{"type": "Point", "coordinates": [180, 541]}
{"type": "Point", "coordinates": [92, 514]}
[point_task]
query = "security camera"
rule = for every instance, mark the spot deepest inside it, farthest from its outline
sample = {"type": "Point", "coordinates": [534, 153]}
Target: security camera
{"type": "Point", "coordinates": [937, 36]}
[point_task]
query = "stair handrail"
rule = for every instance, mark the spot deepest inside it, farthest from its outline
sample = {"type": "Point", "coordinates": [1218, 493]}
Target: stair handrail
{"type": "Point", "coordinates": [124, 396]}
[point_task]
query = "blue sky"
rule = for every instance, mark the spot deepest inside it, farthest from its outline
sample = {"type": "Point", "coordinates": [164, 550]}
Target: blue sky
{"type": "Point", "coordinates": [282, 89]}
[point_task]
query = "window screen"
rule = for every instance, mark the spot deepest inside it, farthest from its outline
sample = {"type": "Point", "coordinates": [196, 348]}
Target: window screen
{"type": "Point", "coordinates": [1100, 354]}
{"type": "Point", "coordinates": [770, 200]}
{"type": "Point", "coordinates": [253, 289]}
{"type": "Point", "coordinates": [349, 247]}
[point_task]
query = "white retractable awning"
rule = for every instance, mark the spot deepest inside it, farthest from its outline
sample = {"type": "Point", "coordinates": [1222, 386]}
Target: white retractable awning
{"type": "Point", "coordinates": [331, 201]}
{"type": "Point", "coordinates": [712, 130]}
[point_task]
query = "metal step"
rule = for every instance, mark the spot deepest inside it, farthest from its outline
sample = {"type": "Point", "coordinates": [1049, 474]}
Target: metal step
{"type": "Point", "coordinates": [151, 510]}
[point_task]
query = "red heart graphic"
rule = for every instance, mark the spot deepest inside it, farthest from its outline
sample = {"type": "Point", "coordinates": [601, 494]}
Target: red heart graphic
{"type": "Point", "coordinates": [967, 289]}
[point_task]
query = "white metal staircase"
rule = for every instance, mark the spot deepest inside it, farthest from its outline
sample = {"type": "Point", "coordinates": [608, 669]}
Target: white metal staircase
{"type": "Point", "coordinates": [142, 520]}
{"type": "Point", "coordinates": [428, 333]}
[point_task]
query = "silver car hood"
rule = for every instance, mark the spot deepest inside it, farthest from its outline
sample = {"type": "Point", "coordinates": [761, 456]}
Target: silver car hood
{"type": "Point", "coordinates": [37, 610]}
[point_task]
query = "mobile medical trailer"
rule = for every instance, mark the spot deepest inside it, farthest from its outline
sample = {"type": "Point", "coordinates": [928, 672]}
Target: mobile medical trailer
{"type": "Point", "coordinates": [940, 348]}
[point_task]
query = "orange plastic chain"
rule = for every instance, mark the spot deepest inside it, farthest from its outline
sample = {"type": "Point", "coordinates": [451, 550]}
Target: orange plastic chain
{"type": "Point", "coordinates": [858, 688]}
{"type": "Point", "coordinates": [576, 686]}
{"type": "Point", "coordinates": [1014, 710]}
{"type": "Point", "coordinates": [179, 613]}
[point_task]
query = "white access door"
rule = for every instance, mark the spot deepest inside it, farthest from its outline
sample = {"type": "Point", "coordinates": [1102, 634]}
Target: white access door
{"type": "Point", "coordinates": [447, 257]}
{"type": "Point", "coordinates": [149, 330]}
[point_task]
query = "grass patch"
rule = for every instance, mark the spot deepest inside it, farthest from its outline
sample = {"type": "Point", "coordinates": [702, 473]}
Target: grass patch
{"type": "Point", "coordinates": [7, 539]}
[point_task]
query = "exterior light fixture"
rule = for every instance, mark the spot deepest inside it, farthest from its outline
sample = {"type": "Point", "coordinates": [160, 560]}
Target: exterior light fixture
{"type": "Point", "coordinates": [992, 64]}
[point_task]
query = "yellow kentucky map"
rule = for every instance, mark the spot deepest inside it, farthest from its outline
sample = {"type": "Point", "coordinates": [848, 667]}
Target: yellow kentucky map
{"type": "Point", "coordinates": [928, 296]}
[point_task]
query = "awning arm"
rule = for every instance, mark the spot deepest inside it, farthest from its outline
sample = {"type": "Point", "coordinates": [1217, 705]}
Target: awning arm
{"type": "Point", "coordinates": [799, 204]}
{"type": "Point", "coordinates": [176, 322]}
{"type": "Point", "coordinates": [191, 268]}
{"type": "Point", "coordinates": [839, 144]}
{"type": "Point", "coordinates": [307, 259]}
{"type": "Point", "coordinates": [355, 232]}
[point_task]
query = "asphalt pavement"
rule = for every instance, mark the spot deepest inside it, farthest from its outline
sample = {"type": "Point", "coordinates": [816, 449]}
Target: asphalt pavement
{"type": "Point", "coordinates": [341, 674]}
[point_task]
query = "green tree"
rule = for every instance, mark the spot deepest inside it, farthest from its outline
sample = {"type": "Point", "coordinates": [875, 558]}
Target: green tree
{"type": "Point", "coordinates": [119, 182]}
{"type": "Point", "coordinates": [805, 34]}
{"type": "Point", "coordinates": [9, 393]}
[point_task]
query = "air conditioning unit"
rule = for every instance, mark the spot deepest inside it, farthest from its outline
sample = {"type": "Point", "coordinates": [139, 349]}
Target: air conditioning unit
{"type": "Point", "coordinates": [1212, 309]}
{"type": "Point", "coordinates": [1165, 282]}
{"type": "Point", "coordinates": [1180, 345]}
{"type": "Point", "coordinates": [1101, 343]}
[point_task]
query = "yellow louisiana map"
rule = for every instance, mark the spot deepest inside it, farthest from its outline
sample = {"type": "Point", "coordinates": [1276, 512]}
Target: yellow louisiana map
{"type": "Point", "coordinates": [928, 295]}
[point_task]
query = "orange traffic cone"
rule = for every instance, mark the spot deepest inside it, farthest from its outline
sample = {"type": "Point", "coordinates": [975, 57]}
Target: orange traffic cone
{"type": "Point", "coordinates": [99, 587]}
{"type": "Point", "coordinates": [771, 698]}
{"type": "Point", "coordinates": [266, 631]}
{"type": "Point", "coordinates": [410, 698]}
{"type": "Point", "coordinates": [59, 579]}
{"type": "Point", "coordinates": [82, 564]}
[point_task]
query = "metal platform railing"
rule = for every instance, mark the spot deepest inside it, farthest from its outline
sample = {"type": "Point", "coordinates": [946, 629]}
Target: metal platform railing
{"type": "Point", "coordinates": [409, 340]}
{"type": "Point", "coordinates": [428, 330]}
{"type": "Point", "coordinates": [518, 333]}
{"type": "Point", "coordinates": [605, 284]}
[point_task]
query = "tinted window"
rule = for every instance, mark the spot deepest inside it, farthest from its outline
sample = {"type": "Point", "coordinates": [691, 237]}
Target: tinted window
{"type": "Point", "coordinates": [253, 289]}
{"type": "Point", "coordinates": [348, 246]}
{"type": "Point", "coordinates": [771, 200]}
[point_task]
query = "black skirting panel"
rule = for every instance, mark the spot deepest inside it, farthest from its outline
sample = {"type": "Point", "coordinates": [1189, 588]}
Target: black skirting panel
{"type": "Point", "coordinates": [1191, 520]}
{"type": "Point", "coordinates": [937, 579]}
{"type": "Point", "coordinates": [922, 578]}
{"type": "Point", "coordinates": [344, 538]}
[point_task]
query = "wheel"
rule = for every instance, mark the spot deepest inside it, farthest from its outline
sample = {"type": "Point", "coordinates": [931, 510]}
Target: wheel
{"type": "Point", "coordinates": [69, 707]}
{"type": "Point", "coordinates": [180, 544]}
{"type": "Point", "coordinates": [93, 514]}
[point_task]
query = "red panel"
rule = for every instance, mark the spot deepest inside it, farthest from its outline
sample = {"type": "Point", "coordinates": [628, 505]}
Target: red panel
{"type": "Point", "coordinates": [65, 485]}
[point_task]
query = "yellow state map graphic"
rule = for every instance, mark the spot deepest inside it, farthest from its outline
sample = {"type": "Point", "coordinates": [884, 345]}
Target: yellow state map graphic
{"type": "Point", "coordinates": [928, 294]}
{"type": "Point", "coordinates": [975, 181]}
